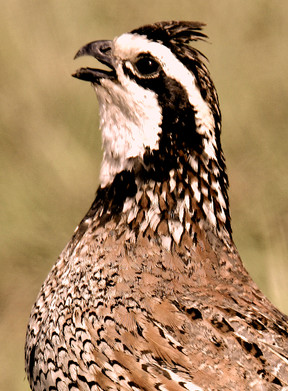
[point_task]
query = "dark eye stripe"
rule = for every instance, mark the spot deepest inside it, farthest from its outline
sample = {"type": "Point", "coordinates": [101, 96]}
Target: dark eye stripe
{"type": "Point", "coordinates": [178, 123]}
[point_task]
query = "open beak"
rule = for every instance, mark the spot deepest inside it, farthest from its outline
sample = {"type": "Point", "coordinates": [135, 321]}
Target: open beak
{"type": "Point", "coordinates": [102, 51]}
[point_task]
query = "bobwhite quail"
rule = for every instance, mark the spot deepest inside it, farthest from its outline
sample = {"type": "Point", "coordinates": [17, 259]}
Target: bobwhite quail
{"type": "Point", "coordinates": [150, 293]}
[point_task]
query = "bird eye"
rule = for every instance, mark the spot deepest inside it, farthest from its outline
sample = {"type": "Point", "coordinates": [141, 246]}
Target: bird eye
{"type": "Point", "coordinates": [147, 66]}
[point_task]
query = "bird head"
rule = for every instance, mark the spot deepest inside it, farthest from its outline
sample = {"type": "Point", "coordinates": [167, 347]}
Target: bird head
{"type": "Point", "coordinates": [159, 110]}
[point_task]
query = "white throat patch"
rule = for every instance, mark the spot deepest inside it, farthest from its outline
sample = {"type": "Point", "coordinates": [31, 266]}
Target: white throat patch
{"type": "Point", "coordinates": [130, 120]}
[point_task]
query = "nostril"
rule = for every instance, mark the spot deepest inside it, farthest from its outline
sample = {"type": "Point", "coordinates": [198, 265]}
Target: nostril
{"type": "Point", "coordinates": [105, 49]}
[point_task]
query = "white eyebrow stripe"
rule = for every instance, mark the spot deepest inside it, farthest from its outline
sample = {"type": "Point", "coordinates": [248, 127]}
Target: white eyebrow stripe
{"type": "Point", "coordinates": [128, 46]}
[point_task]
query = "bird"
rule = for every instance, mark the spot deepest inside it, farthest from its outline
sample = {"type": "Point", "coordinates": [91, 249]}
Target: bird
{"type": "Point", "coordinates": [150, 293]}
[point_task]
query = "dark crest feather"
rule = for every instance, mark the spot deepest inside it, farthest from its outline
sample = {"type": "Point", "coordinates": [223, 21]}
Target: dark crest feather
{"type": "Point", "coordinates": [172, 31]}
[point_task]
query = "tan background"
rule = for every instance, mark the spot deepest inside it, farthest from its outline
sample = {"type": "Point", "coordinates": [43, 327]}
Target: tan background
{"type": "Point", "coordinates": [50, 146]}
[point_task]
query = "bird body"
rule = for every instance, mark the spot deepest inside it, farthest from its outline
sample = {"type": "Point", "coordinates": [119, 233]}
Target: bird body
{"type": "Point", "coordinates": [150, 293]}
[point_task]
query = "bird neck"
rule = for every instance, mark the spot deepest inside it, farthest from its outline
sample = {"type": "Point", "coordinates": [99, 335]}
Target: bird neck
{"type": "Point", "coordinates": [168, 201]}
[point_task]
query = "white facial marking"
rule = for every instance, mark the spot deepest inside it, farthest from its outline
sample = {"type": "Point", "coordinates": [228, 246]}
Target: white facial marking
{"type": "Point", "coordinates": [130, 114]}
{"type": "Point", "coordinates": [130, 119]}
{"type": "Point", "coordinates": [130, 45]}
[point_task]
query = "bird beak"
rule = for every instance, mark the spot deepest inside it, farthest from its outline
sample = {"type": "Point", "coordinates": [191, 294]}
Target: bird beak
{"type": "Point", "coordinates": [102, 51]}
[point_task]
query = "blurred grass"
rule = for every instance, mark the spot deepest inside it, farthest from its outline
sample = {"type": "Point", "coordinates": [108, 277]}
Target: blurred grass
{"type": "Point", "coordinates": [50, 146]}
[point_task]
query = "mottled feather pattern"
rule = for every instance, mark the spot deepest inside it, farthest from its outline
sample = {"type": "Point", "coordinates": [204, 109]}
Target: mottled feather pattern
{"type": "Point", "coordinates": [151, 293]}
{"type": "Point", "coordinates": [123, 317]}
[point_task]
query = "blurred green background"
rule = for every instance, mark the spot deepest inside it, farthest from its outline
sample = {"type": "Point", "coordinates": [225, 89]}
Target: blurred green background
{"type": "Point", "coordinates": [51, 148]}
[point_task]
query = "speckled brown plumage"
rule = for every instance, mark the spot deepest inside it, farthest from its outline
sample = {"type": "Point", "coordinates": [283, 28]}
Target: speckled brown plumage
{"type": "Point", "coordinates": [150, 293]}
